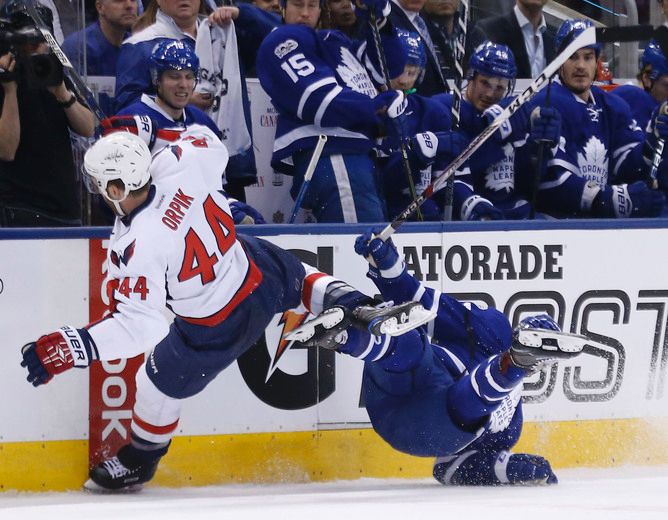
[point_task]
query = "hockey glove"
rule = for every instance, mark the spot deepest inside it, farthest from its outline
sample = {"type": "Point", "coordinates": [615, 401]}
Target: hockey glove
{"type": "Point", "coordinates": [59, 351]}
{"type": "Point", "coordinates": [392, 104]}
{"type": "Point", "coordinates": [381, 254]}
{"type": "Point", "coordinates": [490, 468]}
{"type": "Point", "coordinates": [479, 208]}
{"type": "Point", "coordinates": [382, 8]}
{"type": "Point", "coordinates": [545, 125]}
{"type": "Point", "coordinates": [628, 200]}
{"type": "Point", "coordinates": [488, 116]}
{"type": "Point", "coordinates": [660, 121]}
{"type": "Point", "coordinates": [142, 126]}
{"type": "Point", "coordinates": [428, 146]}
{"type": "Point", "coordinates": [242, 213]}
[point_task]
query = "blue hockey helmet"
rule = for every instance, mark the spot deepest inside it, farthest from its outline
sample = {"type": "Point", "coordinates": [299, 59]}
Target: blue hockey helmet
{"type": "Point", "coordinates": [653, 58]}
{"type": "Point", "coordinates": [172, 55]}
{"type": "Point", "coordinates": [571, 29]}
{"type": "Point", "coordinates": [492, 59]}
{"type": "Point", "coordinates": [413, 48]}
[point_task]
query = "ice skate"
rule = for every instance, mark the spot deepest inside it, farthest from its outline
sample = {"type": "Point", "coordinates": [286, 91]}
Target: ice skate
{"type": "Point", "coordinates": [532, 348]}
{"type": "Point", "coordinates": [113, 476]}
{"type": "Point", "coordinates": [326, 330]}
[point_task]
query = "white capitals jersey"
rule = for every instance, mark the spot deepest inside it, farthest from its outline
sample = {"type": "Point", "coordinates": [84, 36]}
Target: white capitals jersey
{"type": "Point", "coordinates": [178, 249]}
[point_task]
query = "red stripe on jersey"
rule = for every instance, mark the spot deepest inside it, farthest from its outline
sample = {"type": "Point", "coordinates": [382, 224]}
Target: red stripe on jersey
{"type": "Point", "coordinates": [309, 281]}
{"type": "Point", "coordinates": [252, 281]}
{"type": "Point", "coordinates": [155, 430]}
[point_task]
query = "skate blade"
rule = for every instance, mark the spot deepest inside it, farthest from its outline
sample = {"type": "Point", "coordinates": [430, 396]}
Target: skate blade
{"type": "Point", "coordinates": [553, 341]}
{"type": "Point", "coordinates": [91, 487]}
{"type": "Point", "coordinates": [328, 319]}
{"type": "Point", "coordinates": [417, 316]}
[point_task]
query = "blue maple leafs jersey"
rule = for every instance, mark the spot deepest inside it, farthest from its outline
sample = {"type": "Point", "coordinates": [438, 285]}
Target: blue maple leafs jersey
{"type": "Point", "coordinates": [600, 145]}
{"type": "Point", "coordinates": [641, 103]}
{"type": "Point", "coordinates": [320, 82]}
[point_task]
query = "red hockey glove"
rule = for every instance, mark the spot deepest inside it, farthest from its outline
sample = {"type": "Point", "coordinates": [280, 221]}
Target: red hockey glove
{"type": "Point", "coordinates": [59, 351]}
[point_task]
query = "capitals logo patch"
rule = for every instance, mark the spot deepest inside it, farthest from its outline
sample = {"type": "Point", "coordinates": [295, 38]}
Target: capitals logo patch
{"type": "Point", "coordinates": [285, 48]}
{"type": "Point", "coordinates": [123, 257]}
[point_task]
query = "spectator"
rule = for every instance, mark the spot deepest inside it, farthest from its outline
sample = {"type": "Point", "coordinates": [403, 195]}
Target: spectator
{"type": "Point", "coordinates": [523, 30]}
{"type": "Point", "coordinates": [184, 20]}
{"type": "Point", "coordinates": [319, 86]}
{"type": "Point", "coordinates": [598, 169]}
{"type": "Point", "coordinates": [406, 15]}
{"type": "Point", "coordinates": [271, 6]}
{"type": "Point", "coordinates": [99, 44]}
{"type": "Point", "coordinates": [38, 181]}
{"type": "Point", "coordinates": [653, 83]}
{"type": "Point", "coordinates": [341, 16]}
{"type": "Point", "coordinates": [441, 17]}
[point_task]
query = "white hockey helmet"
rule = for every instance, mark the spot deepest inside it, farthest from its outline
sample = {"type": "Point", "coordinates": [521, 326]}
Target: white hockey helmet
{"type": "Point", "coordinates": [119, 156]}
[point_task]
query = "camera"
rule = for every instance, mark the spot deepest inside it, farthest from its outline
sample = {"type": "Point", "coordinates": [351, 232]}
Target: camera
{"type": "Point", "coordinates": [37, 70]}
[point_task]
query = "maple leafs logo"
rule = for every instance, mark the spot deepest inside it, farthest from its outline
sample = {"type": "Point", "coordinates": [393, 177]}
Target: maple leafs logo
{"type": "Point", "coordinates": [354, 75]}
{"type": "Point", "coordinates": [125, 256]}
{"type": "Point", "coordinates": [593, 161]}
{"type": "Point", "coordinates": [501, 175]}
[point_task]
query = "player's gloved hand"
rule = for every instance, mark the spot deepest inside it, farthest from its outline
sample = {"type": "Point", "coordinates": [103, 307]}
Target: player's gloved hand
{"type": "Point", "coordinates": [242, 213]}
{"type": "Point", "coordinates": [428, 146]}
{"type": "Point", "coordinates": [660, 121]}
{"type": "Point", "coordinates": [391, 105]}
{"type": "Point", "coordinates": [140, 125]}
{"type": "Point", "coordinates": [491, 468]}
{"type": "Point", "coordinates": [545, 125]}
{"type": "Point", "coordinates": [479, 208]}
{"type": "Point", "coordinates": [381, 8]}
{"type": "Point", "coordinates": [487, 117]}
{"type": "Point", "coordinates": [539, 321]}
{"type": "Point", "coordinates": [57, 352]}
{"type": "Point", "coordinates": [383, 252]}
{"type": "Point", "coordinates": [628, 200]}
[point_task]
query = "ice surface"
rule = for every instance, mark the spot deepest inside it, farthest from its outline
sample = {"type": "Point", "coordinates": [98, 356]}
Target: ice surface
{"type": "Point", "coordinates": [588, 494]}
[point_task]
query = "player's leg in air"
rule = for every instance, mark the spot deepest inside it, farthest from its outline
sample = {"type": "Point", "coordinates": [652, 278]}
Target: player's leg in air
{"type": "Point", "coordinates": [192, 355]}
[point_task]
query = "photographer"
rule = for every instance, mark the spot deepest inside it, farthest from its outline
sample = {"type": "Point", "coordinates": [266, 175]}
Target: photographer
{"type": "Point", "coordinates": [38, 180]}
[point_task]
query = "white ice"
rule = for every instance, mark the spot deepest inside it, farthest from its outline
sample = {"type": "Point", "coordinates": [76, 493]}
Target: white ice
{"type": "Point", "coordinates": [587, 494]}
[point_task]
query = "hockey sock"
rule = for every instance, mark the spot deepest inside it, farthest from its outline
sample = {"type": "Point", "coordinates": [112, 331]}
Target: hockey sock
{"type": "Point", "coordinates": [396, 354]}
{"type": "Point", "coordinates": [473, 398]}
{"type": "Point", "coordinates": [321, 291]}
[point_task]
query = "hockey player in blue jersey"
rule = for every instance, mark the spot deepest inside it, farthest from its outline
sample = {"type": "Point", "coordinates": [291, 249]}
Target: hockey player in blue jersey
{"type": "Point", "coordinates": [450, 389]}
{"type": "Point", "coordinates": [652, 88]}
{"type": "Point", "coordinates": [321, 82]}
{"type": "Point", "coordinates": [490, 186]}
{"type": "Point", "coordinates": [598, 168]}
{"type": "Point", "coordinates": [425, 126]}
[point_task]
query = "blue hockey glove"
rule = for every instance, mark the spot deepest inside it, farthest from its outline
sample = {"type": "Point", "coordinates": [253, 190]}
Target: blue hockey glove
{"type": "Point", "coordinates": [57, 352]}
{"type": "Point", "coordinates": [242, 213]}
{"type": "Point", "coordinates": [539, 321]}
{"type": "Point", "coordinates": [391, 105]}
{"type": "Point", "coordinates": [488, 116]}
{"type": "Point", "coordinates": [628, 200]}
{"type": "Point", "coordinates": [382, 8]}
{"type": "Point", "coordinates": [660, 121]}
{"type": "Point", "coordinates": [428, 146]}
{"type": "Point", "coordinates": [479, 208]}
{"type": "Point", "coordinates": [545, 125]}
{"type": "Point", "coordinates": [490, 468]}
{"type": "Point", "coordinates": [383, 253]}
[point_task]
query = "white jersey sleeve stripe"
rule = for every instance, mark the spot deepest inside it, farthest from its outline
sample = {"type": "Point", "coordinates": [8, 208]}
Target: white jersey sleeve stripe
{"type": "Point", "coordinates": [309, 90]}
{"type": "Point", "coordinates": [325, 103]}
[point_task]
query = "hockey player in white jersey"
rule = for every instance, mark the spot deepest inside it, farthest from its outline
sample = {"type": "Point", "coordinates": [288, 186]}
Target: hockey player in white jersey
{"type": "Point", "coordinates": [174, 244]}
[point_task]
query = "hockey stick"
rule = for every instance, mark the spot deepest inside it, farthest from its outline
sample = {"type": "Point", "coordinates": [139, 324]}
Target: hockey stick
{"type": "Point", "coordinates": [384, 70]}
{"type": "Point", "coordinates": [658, 153]}
{"type": "Point", "coordinates": [539, 163]}
{"type": "Point", "coordinates": [308, 175]}
{"type": "Point", "coordinates": [460, 46]}
{"type": "Point", "coordinates": [79, 83]}
{"type": "Point", "coordinates": [589, 36]}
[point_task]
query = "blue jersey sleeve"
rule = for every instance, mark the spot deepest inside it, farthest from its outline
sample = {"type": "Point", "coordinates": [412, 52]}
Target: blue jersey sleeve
{"type": "Point", "coordinates": [300, 82]}
{"type": "Point", "coordinates": [133, 77]}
